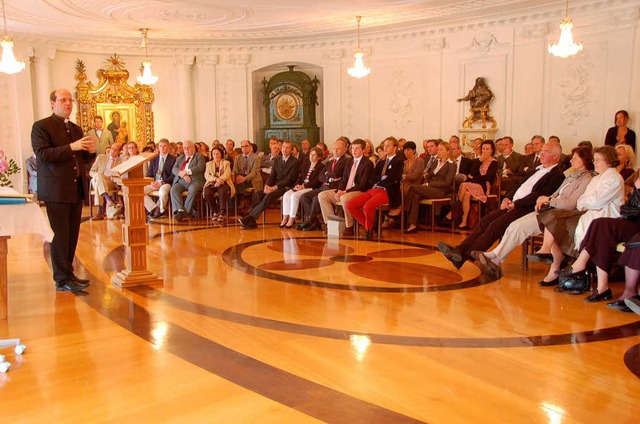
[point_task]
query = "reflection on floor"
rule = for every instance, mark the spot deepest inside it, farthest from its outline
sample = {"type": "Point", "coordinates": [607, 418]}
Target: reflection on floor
{"type": "Point", "coordinates": [276, 325]}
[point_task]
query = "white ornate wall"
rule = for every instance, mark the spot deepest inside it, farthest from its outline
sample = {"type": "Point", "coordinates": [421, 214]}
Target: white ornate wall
{"type": "Point", "coordinates": [417, 75]}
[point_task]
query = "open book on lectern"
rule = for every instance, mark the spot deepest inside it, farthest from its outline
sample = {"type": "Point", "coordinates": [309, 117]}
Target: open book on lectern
{"type": "Point", "coordinates": [133, 161]}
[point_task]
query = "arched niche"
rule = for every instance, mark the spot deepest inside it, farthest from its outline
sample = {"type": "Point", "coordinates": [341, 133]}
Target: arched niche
{"type": "Point", "coordinates": [259, 107]}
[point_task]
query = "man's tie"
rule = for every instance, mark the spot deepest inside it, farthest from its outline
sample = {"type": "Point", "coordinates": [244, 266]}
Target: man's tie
{"type": "Point", "coordinates": [384, 168]}
{"type": "Point", "coordinates": [185, 163]}
{"type": "Point", "coordinates": [352, 174]}
{"type": "Point", "coordinates": [160, 168]}
{"type": "Point", "coordinates": [333, 167]}
{"type": "Point", "coordinates": [245, 165]}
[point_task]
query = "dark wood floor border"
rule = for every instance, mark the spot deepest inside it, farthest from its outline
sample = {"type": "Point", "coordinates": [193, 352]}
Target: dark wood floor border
{"type": "Point", "coordinates": [303, 395]}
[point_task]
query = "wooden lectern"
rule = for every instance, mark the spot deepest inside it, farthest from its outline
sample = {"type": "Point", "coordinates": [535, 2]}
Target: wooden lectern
{"type": "Point", "coordinates": [135, 231]}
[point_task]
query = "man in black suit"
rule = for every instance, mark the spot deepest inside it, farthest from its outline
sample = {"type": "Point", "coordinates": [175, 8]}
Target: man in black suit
{"type": "Point", "coordinates": [283, 176]}
{"type": "Point", "coordinates": [385, 182]}
{"type": "Point", "coordinates": [61, 154]}
{"type": "Point", "coordinates": [161, 170]}
{"type": "Point", "coordinates": [354, 181]}
{"type": "Point", "coordinates": [330, 178]}
{"type": "Point", "coordinates": [509, 164]}
{"type": "Point", "coordinates": [520, 201]}
{"type": "Point", "coordinates": [463, 164]}
{"type": "Point", "coordinates": [532, 160]}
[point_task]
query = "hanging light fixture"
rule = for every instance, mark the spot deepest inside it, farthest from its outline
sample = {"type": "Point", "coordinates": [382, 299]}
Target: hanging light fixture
{"type": "Point", "coordinates": [147, 76]}
{"type": "Point", "coordinates": [566, 46]}
{"type": "Point", "coordinates": [358, 70]}
{"type": "Point", "coordinates": [8, 64]}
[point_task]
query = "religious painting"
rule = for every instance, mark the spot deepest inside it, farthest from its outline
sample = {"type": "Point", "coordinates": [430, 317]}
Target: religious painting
{"type": "Point", "coordinates": [125, 109]}
{"type": "Point", "coordinates": [120, 120]}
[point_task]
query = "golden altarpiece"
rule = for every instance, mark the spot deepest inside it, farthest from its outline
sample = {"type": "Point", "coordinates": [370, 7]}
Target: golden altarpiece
{"type": "Point", "coordinates": [126, 110]}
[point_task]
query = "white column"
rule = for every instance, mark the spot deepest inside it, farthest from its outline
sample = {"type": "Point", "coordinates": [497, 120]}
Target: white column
{"type": "Point", "coordinates": [42, 80]}
{"type": "Point", "coordinates": [184, 117]}
{"type": "Point", "coordinates": [206, 107]}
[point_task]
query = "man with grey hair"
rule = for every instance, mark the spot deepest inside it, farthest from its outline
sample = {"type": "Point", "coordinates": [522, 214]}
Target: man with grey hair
{"type": "Point", "coordinates": [188, 174]}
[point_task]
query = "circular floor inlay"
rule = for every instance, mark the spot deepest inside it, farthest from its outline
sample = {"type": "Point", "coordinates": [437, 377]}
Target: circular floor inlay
{"type": "Point", "coordinates": [309, 247]}
{"type": "Point", "coordinates": [295, 264]}
{"type": "Point", "coordinates": [351, 258]}
{"type": "Point", "coordinates": [400, 253]}
{"type": "Point", "coordinates": [406, 273]}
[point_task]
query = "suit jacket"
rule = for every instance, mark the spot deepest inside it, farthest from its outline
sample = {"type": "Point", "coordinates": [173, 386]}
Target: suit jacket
{"type": "Point", "coordinates": [513, 161]}
{"type": "Point", "coordinates": [392, 181]}
{"type": "Point", "coordinates": [56, 162]}
{"type": "Point", "coordinates": [363, 175]}
{"type": "Point", "coordinates": [196, 165]}
{"type": "Point", "coordinates": [100, 165]}
{"type": "Point", "coordinates": [443, 179]}
{"type": "Point", "coordinates": [465, 165]}
{"type": "Point", "coordinates": [105, 140]}
{"type": "Point", "coordinates": [167, 169]}
{"type": "Point", "coordinates": [332, 176]}
{"type": "Point", "coordinates": [253, 169]}
{"type": "Point", "coordinates": [546, 186]}
{"type": "Point", "coordinates": [284, 175]}
{"type": "Point", "coordinates": [527, 163]}
{"type": "Point", "coordinates": [314, 178]}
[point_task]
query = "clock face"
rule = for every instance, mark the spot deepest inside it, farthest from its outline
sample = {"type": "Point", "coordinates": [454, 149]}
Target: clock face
{"type": "Point", "coordinates": [286, 106]}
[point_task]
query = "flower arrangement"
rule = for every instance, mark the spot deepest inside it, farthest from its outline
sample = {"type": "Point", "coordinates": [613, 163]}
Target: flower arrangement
{"type": "Point", "coordinates": [8, 167]}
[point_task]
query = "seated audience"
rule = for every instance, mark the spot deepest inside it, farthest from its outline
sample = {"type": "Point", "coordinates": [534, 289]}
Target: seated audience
{"type": "Point", "coordinates": [369, 151]}
{"type": "Point", "coordinates": [564, 198]}
{"type": "Point", "coordinates": [246, 169]}
{"type": "Point", "coordinates": [620, 133]}
{"type": "Point", "coordinates": [626, 159]}
{"type": "Point", "coordinates": [309, 179]}
{"type": "Point", "coordinates": [385, 189]}
{"type": "Point", "coordinates": [275, 147]}
{"type": "Point", "coordinates": [411, 174]}
{"type": "Point", "coordinates": [188, 172]}
{"type": "Point", "coordinates": [102, 181]}
{"type": "Point", "coordinates": [629, 300]}
{"type": "Point", "coordinates": [438, 182]}
{"type": "Point", "coordinates": [521, 200]}
{"type": "Point", "coordinates": [161, 170]}
{"type": "Point", "coordinates": [477, 183]}
{"type": "Point", "coordinates": [532, 159]}
{"type": "Point", "coordinates": [564, 230]}
{"type": "Point", "coordinates": [330, 180]}
{"type": "Point", "coordinates": [282, 178]}
{"type": "Point", "coordinates": [230, 146]}
{"type": "Point", "coordinates": [218, 180]}
{"type": "Point", "coordinates": [354, 181]}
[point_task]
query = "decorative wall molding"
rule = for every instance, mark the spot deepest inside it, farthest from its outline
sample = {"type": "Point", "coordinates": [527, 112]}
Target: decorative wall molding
{"type": "Point", "coordinates": [239, 59]}
{"type": "Point", "coordinates": [484, 41]}
{"type": "Point", "coordinates": [577, 88]}
{"type": "Point", "coordinates": [332, 55]}
{"type": "Point", "coordinates": [207, 62]}
{"type": "Point", "coordinates": [223, 103]}
{"type": "Point", "coordinates": [434, 44]}
{"type": "Point", "coordinates": [183, 62]}
{"type": "Point", "coordinates": [401, 105]}
{"type": "Point", "coordinates": [532, 32]}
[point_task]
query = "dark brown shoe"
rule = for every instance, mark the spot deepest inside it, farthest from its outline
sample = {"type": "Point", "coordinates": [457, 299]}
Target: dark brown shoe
{"type": "Point", "coordinates": [348, 231]}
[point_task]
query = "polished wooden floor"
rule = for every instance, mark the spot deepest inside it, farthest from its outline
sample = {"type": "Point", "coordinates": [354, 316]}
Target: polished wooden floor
{"type": "Point", "coordinates": [283, 326]}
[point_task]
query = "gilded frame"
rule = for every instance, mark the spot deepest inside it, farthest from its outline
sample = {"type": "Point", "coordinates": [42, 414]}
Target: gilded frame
{"type": "Point", "coordinates": [113, 93]}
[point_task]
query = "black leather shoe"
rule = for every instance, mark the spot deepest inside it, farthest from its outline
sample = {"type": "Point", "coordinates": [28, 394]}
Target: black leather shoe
{"type": "Point", "coordinates": [568, 272]}
{"type": "Point", "coordinates": [314, 226]}
{"type": "Point", "coordinates": [81, 281]}
{"type": "Point", "coordinates": [70, 286]}
{"type": "Point", "coordinates": [633, 303]}
{"type": "Point", "coordinates": [348, 231]}
{"type": "Point", "coordinates": [300, 227]}
{"type": "Point", "coordinates": [367, 235]}
{"type": "Point", "coordinates": [452, 254]}
{"type": "Point", "coordinates": [620, 305]}
{"type": "Point", "coordinates": [553, 282]}
{"type": "Point", "coordinates": [487, 266]}
{"type": "Point", "coordinates": [597, 297]}
{"type": "Point", "coordinates": [180, 216]}
{"type": "Point", "coordinates": [249, 223]}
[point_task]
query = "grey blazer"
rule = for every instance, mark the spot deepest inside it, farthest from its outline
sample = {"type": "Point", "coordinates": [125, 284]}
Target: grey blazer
{"type": "Point", "coordinates": [196, 165]}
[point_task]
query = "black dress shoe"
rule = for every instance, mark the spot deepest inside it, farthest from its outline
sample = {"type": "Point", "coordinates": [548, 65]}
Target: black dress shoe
{"type": "Point", "coordinates": [452, 254]}
{"type": "Point", "coordinates": [488, 267]}
{"type": "Point", "coordinates": [367, 235]}
{"type": "Point", "coordinates": [597, 297]}
{"type": "Point", "coordinates": [249, 223]}
{"type": "Point", "coordinates": [81, 281]}
{"type": "Point", "coordinates": [300, 227]}
{"type": "Point", "coordinates": [553, 282]}
{"type": "Point", "coordinates": [633, 303]}
{"type": "Point", "coordinates": [620, 305]}
{"type": "Point", "coordinates": [70, 285]}
{"type": "Point", "coordinates": [348, 231]}
{"type": "Point", "coordinates": [180, 216]}
{"type": "Point", "coordinates": [314, 226]}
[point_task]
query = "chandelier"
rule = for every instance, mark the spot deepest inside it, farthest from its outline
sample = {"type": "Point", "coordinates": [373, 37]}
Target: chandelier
{"type": "Point", "coordinates": [566, 46]}
{"type": "Point", "coordinates": [8, 64]}
{"type": "Point", "coordinates": [358, 70]}
{"type": "Point", "coordinates": [147, 77]}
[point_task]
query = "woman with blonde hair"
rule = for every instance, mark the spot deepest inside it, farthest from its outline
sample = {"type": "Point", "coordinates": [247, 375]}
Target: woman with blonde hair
{"type": "Point", "coordinates": [626, 157]}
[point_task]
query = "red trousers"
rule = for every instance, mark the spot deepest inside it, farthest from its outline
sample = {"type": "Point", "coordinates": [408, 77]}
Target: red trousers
{"type": "Point", "coordinates": [363, 208]}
